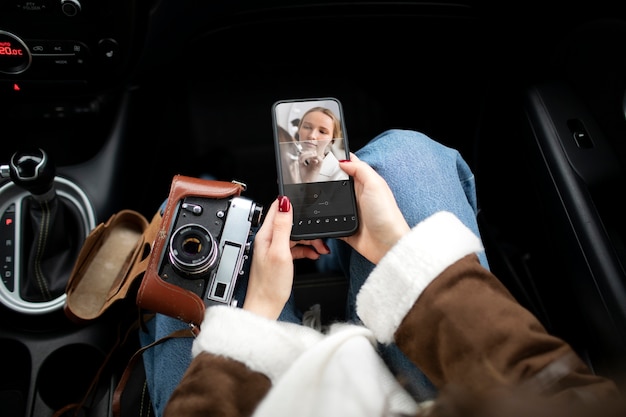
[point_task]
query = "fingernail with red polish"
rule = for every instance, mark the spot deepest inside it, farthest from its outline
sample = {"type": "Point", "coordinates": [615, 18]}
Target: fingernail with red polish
{"type": "Point", "coordinates": [344, 160]}
{"type": "Point", "coordinates": [283, 204]}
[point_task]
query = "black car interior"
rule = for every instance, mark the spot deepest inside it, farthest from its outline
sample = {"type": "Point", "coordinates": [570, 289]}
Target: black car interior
{"type": "Point", "coordinates": [120, 96]}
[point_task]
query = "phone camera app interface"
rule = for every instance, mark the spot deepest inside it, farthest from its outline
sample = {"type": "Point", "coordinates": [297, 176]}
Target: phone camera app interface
{"type": "Point", "coordinates": [310, 143]}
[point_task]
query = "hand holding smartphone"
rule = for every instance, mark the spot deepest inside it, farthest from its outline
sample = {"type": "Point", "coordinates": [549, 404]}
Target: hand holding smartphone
{"type": "Point", "coordinates": [310, 139]}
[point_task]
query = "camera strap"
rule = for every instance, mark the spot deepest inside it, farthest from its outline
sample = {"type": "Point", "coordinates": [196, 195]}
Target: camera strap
{"type": "Point", "coordinates": [121, 387]}
{"type": "Point", "coordinates": [132, 377]}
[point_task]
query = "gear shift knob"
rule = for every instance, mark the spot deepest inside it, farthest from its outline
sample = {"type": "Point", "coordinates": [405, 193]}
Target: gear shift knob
{"type": "Point", "coordinates": [34, 172]}
{"type": "Point", "coordinates": [54, 219]}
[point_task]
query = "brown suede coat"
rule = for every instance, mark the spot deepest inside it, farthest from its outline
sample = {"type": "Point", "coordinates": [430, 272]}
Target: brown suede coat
{"type": "Point", "coordinates": [487, 354]}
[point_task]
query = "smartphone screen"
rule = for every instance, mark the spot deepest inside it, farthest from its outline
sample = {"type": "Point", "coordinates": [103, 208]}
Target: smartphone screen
{"type": "Point", "coordinates": [310, 139]}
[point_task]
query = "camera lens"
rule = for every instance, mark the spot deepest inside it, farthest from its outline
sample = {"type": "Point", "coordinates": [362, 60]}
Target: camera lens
{"type": "Point", "coordinates": [192, 249]}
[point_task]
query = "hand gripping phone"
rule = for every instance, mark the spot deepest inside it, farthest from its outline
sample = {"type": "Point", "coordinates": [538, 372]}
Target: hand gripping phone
{"type": "Point", "coordinates": [310, 139]}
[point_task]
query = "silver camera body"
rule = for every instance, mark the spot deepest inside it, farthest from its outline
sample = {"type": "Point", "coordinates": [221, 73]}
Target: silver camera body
{"type": "Point", "coordinates": [208, 245]}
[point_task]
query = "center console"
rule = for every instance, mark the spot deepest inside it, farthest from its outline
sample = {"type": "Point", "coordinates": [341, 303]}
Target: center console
{"type": "Point", "coordinates": [64, 66]}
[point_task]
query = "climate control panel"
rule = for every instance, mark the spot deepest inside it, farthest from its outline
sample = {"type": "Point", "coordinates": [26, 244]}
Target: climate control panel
{"type": "Point", "coordinates": [59, 56]}
{"type": "Point", "coordinates": [49, 42]}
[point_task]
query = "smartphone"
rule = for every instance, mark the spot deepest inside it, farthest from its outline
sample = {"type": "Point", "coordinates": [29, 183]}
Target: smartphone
{"type": "Point", "coordinates": [310, 139]}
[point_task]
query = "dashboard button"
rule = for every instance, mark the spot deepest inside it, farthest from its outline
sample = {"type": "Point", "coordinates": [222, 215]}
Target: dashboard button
{"type": "Point", "coordinates": [109, 51]}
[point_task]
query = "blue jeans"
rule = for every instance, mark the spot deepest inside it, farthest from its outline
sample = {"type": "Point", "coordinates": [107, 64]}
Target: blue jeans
{"type": "Point", "coordinates": [425, 177]}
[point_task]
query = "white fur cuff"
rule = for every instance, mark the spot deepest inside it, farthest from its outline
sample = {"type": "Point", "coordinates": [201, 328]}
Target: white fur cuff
{"type": "Point", "coordinates": [414, 262]}
{"type": "Point", "coordinates": [264, 345]}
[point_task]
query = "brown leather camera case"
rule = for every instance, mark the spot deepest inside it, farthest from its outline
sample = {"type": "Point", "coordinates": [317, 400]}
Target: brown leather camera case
{"type": "Point", "coordinates": [155, 294]}
{"type": "Point", "coordinates": [113, 257]}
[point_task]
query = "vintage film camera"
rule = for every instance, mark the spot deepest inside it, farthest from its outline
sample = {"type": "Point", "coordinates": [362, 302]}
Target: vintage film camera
{"type": "Point", "coordinates": [207, 245]}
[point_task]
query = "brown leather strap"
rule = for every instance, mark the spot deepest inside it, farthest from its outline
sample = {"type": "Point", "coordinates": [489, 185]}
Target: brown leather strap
{"type": "Point", "coordinates": [121, 385]}
{"type": "Point", "coordinates": [192, 331]}
{"type": "Point", "coordinates": [119, 341]}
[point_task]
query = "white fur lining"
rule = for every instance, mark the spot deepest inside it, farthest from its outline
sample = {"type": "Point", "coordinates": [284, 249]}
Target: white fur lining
{"type": "Point", "coordinates": [264, 345]}
{"type": "Point", "coordinates": [406, 270]}
{"type": "Point", "coordinates": [342, 375]}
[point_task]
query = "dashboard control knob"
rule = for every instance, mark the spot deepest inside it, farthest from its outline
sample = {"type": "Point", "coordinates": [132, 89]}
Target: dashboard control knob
{"type": "Point", "coordinates": [70, 8]}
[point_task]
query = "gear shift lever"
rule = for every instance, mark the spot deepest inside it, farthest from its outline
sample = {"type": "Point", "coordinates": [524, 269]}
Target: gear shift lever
{"type": "Point", "coordinates": [52, 231]}
{"type": "Point", "coordinates": [33, 172]}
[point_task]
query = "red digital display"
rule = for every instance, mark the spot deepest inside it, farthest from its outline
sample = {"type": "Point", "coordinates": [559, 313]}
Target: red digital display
{"type": "Point", "coordinates": [6, 49]}
{"type": "Point", "coordinates": [15, 57]}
